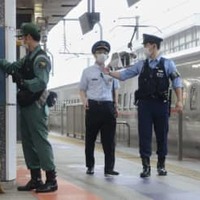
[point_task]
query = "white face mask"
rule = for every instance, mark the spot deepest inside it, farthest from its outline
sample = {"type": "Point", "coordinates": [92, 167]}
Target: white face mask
{"type": "Point", "coordinates": [101, 58]}
{"type": "Point", "coordinates": [147, 52]}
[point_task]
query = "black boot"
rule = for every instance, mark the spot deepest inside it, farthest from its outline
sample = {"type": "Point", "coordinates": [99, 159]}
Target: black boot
{"type": "Point", "coordinates": [161, 166]}
{"type": "Point", "coordinates": [90, 170]}
{"type": "Point", "coordinates": [50, 184]}
{"type": "Point", "coordinates": [146, 167]}
{"type": "Point", "coordinates": [34, 183]}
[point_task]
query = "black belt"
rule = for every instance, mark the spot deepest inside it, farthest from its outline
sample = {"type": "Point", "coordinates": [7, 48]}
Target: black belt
{"type": "Point", "coordinates": [99, 102]}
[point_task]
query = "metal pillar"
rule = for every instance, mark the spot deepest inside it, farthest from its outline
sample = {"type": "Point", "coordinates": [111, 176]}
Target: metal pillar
{"type": "Point", "coordinates": [100, 30]}
{"type": "Point", "coordinates": [91, 8]}
{"type": "Point", "coordinates": [180, 136]}
{"type": "Point", "coordinates": [7, 92]}
{"type": "Point", "coordinates": [137, 25]}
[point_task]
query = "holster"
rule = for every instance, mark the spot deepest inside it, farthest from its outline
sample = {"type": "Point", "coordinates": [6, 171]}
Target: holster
{"type": "Point", "coordinates": [26, 97]}
{"type": "Point", "coordinates": [136, 97]}
{"type": "Point", "coordinates": [52, 98]}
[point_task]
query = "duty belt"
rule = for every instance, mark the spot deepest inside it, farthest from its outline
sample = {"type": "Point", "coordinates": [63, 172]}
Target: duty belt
{"type": "Point", "coordinates": [95, 102]}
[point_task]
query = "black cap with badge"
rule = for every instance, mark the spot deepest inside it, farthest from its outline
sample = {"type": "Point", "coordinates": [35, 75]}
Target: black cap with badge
{"type": "Point", "coordinates": [101, 45]}
{"type": "Point", "coordinates": [151, 39]}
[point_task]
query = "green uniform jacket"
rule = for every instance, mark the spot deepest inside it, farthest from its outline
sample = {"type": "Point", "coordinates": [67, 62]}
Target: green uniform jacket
{"type": "Point", "coordinates": [41, 67]}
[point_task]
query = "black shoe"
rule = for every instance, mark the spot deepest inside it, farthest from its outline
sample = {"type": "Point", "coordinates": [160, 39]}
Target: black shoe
{"type": "Point", "coordinates": [162, 171]}
{"type": "Point", "coordinates": [31, 185]}
{"type": "Point", "coordinates": [111, 172]}
{"type": "Point", "coordinates": [146, 172]}
{"type": "Point", "coordinates": [49, 186]}
{"type": "Point", "coordinates": [90, 170]}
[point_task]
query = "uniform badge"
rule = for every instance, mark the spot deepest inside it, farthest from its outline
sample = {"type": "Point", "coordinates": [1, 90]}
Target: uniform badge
{"type": "Point", "coordinates": [160, 73]}
{"type": "Point", "coordinates": [42, 64]}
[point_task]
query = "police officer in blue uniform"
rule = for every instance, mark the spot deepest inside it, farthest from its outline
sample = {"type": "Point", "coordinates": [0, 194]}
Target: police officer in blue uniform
{"type": "Point", "coordinates": [152, 100]}
{"type": "Point", "coordinates": [98, 93]}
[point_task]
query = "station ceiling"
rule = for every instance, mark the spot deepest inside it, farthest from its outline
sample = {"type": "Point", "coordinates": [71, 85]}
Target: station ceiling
{"type": "Point", "coordinates": [51, 10]}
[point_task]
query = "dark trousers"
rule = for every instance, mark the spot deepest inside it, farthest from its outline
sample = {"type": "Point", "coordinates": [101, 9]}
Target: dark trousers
{"type": "Point", "coordinates": [100, 118]}
{"type": "Point", "coordinates": [152, 113]}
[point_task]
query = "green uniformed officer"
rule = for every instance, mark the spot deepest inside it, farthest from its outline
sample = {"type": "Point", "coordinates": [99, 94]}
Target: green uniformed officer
{"type": "Point", "coordinates": [31, 75]}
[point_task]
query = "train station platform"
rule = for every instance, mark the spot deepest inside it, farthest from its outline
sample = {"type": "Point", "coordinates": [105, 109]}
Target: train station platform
{"type": "Point", "coordinates": [181, 183]}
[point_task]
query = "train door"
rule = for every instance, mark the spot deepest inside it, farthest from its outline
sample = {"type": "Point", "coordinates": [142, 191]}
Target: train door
{"type": "Point", "coordinates": [194, 97]}
{"type": "Point", "coordinates": [191, 118]}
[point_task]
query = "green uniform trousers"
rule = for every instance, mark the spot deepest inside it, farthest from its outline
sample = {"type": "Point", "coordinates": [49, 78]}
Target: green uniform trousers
{"type": "Point", "coordinates": [37, 150]}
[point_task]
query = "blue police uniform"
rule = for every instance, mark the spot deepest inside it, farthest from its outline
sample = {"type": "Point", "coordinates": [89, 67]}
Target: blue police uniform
{"type": "Point", "coordinates": [152, 97]}
{"type": "Point", "coordinates": [100, 116]}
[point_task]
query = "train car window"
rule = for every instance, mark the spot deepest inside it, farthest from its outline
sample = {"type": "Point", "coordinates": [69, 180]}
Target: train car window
{"type": "Point", "coordinates": [182, 40]}
{"type": "Point", "coordinates": [172, 97]}
{"type": "Point", "coordinates": [166, 48]}
{"type": "Point", "coordinates": [131, 102]}
{"type": "Point", "coordinates": [125, 101]}
{"type": "Point", "coordinates": [119, 101]}
{"type": "Point", "coordinates": [184, 97]}
{"type": "Point", "coordinates": [193, 98]}
{"type": "Point", "coordinates": [58, 106]}
{"type": "Point", "coordinates": [188, 37]}
{"type": "Point", "coordinates": [176, 45]}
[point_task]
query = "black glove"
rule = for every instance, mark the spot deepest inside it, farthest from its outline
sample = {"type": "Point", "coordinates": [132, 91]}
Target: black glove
{"type": "Point", "coordinates": [17, 78]}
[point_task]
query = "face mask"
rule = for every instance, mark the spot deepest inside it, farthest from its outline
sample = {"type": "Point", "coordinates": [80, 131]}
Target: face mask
{"type": "Point", "coordinates": [147, 52]}
{"type": "Point", "coordinates": [101, 58]}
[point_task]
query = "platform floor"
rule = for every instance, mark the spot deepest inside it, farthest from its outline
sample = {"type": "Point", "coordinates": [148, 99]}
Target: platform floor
{"type": "Point", "coordinates": [182, 182]}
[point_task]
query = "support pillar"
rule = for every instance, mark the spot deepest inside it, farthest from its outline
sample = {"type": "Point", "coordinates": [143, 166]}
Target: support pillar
{"type": "Point", "coordinates": [7, 92]}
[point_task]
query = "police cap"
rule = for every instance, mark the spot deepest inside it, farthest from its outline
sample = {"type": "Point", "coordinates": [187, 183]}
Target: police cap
{"type": "Point", "coordinates": [151, 39]}
{"type": "Point", "coordinates": [29, 28]}
{"type": "Point", "coordinates": [101, 45]}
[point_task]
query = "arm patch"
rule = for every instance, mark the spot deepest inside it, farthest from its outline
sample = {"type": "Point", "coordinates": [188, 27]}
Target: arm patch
{"type": "Point", "coordinates": [174, 75]}
{"type": "Point", "coordinates": [42, 61]}
{"type": "Point", "coordinates": [42, 64]}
